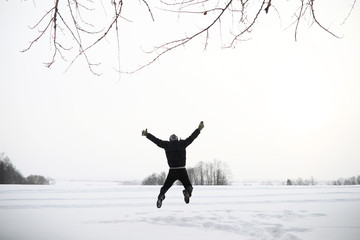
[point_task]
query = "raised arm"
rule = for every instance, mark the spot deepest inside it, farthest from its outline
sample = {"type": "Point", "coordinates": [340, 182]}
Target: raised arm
{"type": "Point", "coordinates": [158, 142]}
{"type": "Point", "coordinates": [194, 135]}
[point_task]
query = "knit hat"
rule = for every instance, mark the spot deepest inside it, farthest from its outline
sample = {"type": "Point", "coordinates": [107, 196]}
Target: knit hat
{"type": "Point", "coordinates": [173, 137]}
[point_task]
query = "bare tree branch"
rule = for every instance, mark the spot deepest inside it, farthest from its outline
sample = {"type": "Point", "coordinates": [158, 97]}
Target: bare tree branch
{"type": "Point", "coordinates": [54, 22]}
{"type": "Point", "coordinates": [73, 32]}
{"type": "Point", "coordinates": [117, 37]}
{"type": "Point", "coordinates": [351, 9]}
{"type": "Point", "coordinates": [147, 5]}
{"type": "Point", "coordinates": [78, 40]}
{"type": "Point", "coordinates": [42, 32]}
{"type": "Point", "coordinates": [180, 42]}
{"type": "Point", "coordinates": [299, 18]}
{"type": "Point", "coordinates": [268, 7]}
{"type": "Point", "coordinates": [311, 3]}
{"type": "Point", "coordinates": [248, 28]}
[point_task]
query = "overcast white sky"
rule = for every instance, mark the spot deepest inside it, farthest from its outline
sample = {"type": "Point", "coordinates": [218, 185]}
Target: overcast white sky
{"type": "Point", "coordinates": [273, 108]}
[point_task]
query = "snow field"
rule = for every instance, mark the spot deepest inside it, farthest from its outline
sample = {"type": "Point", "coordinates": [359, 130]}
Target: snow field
{"type": "Point", "coordinates": [109, 211]}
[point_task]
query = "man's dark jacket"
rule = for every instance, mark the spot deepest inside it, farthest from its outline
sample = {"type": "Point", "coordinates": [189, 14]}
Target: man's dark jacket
{"type": "Point", "coordinates": [175, 150]}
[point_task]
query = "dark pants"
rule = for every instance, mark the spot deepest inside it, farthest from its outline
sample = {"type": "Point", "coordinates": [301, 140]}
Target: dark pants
{"type": "Point", "coordinates": [176, 174]}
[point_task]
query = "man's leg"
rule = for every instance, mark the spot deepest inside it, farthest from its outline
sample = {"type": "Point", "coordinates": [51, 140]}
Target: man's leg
{"type": "Point", "coordinates": [170, 179]}
{"type": "Point", "coordinates": [184, 178]}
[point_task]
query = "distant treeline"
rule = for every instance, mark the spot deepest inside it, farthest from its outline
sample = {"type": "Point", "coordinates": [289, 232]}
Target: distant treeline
{"type": "Point", "coordinates": [311, 181]}
{"type": "Point", "coordinates": [204, 173]}
{"type": "Point", "coordinates": [347, 181]}
{"type": "Point", "coordinates": [10, 175]}
{"type": "Point", "coordinates": [302, 182]}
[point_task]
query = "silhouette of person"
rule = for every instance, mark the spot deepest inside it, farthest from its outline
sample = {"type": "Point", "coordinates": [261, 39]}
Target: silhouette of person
{"type": "Point", "coordinates": [175, 150]}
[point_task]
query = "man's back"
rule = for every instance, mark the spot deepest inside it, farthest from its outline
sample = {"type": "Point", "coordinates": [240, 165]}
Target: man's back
{"type": "Point", "coordinates": [176, 153]}
{"type": "Point", "coordinates": [175, 150]}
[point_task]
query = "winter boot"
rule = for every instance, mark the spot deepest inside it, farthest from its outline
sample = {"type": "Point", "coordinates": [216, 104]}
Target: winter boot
{"type": "Point", "coordinates": [186, 196]}
{"type": "Point", "coordinates": [161, 198]}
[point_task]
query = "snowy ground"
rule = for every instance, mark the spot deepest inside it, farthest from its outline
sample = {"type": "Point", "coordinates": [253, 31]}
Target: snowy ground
{"type": "Point", "coordinates": [95, 211]}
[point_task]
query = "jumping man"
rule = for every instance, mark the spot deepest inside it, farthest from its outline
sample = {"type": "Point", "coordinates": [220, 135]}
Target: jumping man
{"type": "Point", "coordinates": [175, 150]}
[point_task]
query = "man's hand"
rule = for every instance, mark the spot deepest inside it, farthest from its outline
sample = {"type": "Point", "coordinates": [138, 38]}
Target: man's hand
{"type": "Point", "coordinates": [144, 132]}
{"type": "Point", "coordinates": [201, 125]}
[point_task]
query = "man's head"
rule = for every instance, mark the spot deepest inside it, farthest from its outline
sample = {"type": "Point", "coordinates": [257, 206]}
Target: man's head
{"type": "Point", "coordinates": [173, 137]}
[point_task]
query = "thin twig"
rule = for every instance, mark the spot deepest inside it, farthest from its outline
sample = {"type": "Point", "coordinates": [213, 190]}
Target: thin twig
{"type": "Point", "coordinates": [298, 19]}
{"type": "Point", "coordinates": [180, 42]}
{"type": "Point", "coordinates": [311, 2]}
